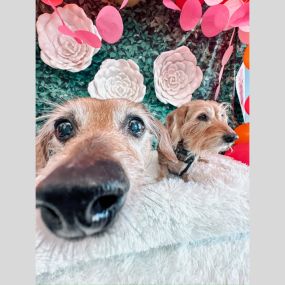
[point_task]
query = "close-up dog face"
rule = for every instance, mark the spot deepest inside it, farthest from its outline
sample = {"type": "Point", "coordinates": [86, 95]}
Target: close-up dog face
{"type": "Point", "coordinates": [201, 126]}
{"type": "Point", "coordinates": [90, 153]}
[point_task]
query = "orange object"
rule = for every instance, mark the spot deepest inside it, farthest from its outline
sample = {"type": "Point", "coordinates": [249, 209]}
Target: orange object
{"type": "Point", "coordinates": [243, 133]}
{"type": "Point", "coordinates": [246, 57]}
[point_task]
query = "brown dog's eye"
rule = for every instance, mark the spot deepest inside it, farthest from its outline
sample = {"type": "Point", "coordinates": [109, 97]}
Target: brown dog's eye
{"type": "Point", "coordinates": [203, 117]}
{"type": "Point", "coordinates": [63, 130]}
{"type": "Point", "coordinates": [136, 127]}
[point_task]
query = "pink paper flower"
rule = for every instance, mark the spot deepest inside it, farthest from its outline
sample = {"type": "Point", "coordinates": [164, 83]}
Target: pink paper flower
{"type": "Point", "coordinates": [221, 15]}
{"type": "Point", "coordinates": [176, 76]}
{"type": "Point", "coordinates": [62, 51]}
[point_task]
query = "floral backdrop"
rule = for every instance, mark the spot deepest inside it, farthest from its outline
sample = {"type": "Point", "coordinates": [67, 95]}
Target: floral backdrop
{"type": "Point", "coordinates": [149, 29]}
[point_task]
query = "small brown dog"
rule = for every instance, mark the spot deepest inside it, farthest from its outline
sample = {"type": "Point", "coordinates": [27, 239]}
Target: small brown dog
{"type": "Point", "coordinates": [196, 128]}
{"type": "Point", "coordinates": [89, 154]}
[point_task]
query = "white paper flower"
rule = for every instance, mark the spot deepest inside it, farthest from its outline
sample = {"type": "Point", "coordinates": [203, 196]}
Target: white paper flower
{"type": "Point", "coordinates": [61, 51]}
{"type": "Point", "coordinates": [118, 79]}
{"type": "Point", "coordinates": [176, 76]}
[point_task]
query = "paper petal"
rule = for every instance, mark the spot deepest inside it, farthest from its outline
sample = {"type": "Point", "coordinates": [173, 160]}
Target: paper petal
{"type": "Point", "coordinates": [171, 5]}
{"type": "Point", "coordinates": [243, 36]}
{"type": "Point", "coordinates": [217, 92]}
{"type": "Point", "coordinates": [244, 28]}
{"type": "Point", "coordinates": [240, 17]}
{"type": "Point", "coordinates": [227, 55]}
{"type": "Point", "coordinates": [66, 31]}
{"type": "Point", "coordinates": [88, 38]}
{"type": "Point", "coordinates": [246, 105]}
{"type": "Point", "coordinates": [214, 20]}
{"type": "Point", "coordinates": [190, 15]}
{"type": "Point", "coordinates": [233, 5]}
{"type": "Point", "coordinates": [52, 2]}
{"type": "Point", "coordinates": [124, 4]}
{"type": "Point", "coordinates": [110, 24]}
{"type": "Point", "coordinates": [213, 2]}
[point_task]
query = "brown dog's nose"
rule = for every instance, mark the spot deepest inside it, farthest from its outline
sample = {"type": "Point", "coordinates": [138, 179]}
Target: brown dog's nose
{"type": "Point", "coordinates": [78, 201]}
{"type": "Point", "coordinates": [229, 138]}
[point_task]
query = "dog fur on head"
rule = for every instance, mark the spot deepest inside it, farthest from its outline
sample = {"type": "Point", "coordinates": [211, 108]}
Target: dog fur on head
{"type": "Point", "coordinates": [101, 130]}
{"type": "Point", "coordinates": [197, 128]}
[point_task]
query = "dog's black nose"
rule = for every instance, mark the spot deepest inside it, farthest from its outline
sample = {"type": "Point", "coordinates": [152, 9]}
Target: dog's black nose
{"type": "Point", "coordinates": [77, 201]}
{"type": "Point", "coordinates": [229, 138]}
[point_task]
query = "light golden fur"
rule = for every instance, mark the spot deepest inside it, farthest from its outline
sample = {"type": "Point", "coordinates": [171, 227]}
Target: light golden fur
{"type": "Point", "coordinates": [199, 137]}
{"type": "Point", "coordinates": [101, 133]}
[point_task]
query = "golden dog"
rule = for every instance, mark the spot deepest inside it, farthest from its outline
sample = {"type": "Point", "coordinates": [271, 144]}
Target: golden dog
{"type": "Point", "coordinates": [196, 128]}
{"type": "Point", "coordinates": [90, 153]}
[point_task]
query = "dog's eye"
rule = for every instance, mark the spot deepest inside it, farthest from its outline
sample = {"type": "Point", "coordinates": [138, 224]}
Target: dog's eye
{"type": "Point", "coordinates": [136, 127]}
{"type": "Point", "coordinates": [63, 130]}
{"type": "Point", "coordinates": [203, 117]}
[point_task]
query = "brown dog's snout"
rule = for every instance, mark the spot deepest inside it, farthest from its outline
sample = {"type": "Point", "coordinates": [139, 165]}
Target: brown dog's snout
{"type": "Point", "coordinates": [230, 137]}
{"type": "Point", "coordinates": [78, 200]}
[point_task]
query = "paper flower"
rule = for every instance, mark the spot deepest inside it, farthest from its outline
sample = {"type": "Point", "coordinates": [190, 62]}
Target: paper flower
{"type": "Point", "coordinates": [221, 15]}
{"type": "Point", "coordinates": [62, 51]}
{"type": "Point", "coordinates": [118, 79]}
{"type": "Point", "coordinates": [176, 76]}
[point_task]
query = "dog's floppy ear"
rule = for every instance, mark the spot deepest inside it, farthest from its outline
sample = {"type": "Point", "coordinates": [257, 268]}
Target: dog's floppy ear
{"type": "Point", "coordinates": [174, 122]}
{"type": "Point", "coordinates": [164, 142]}
{"type": "Point", "coordinates": [42, 141]}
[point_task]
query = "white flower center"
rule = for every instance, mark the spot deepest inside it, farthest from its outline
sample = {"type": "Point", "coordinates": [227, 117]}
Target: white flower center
{"type": "Point", "coordinates": [119, 85]}
{"type": "Point", "coordinates": [173, 79]}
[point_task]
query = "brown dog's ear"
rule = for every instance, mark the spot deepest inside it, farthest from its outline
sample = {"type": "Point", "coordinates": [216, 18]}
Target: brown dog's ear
{"type": "Point", "coordinates": [42, 141]}
{"type": "Point", "coordinates": [174, 122]}
{"type": "Point", "coordinates": [164, 142]}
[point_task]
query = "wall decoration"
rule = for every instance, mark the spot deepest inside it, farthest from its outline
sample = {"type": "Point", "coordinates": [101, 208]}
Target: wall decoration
{"type": "Point", "coordinates": [176, 76]}
{"type": "Point", "coordinates": [118, 79]}
{"type": "Point", "coordinates": [221, 15]}
{"type": "Point", "coordinates": [59, 50]}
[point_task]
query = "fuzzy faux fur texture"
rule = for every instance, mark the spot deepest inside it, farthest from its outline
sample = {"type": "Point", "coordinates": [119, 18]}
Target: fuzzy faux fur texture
{"type": "Point", "coordinates": [170, 232]}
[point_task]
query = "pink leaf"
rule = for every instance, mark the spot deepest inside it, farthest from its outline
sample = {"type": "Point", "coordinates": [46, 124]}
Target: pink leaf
{"type": "Point", "coordinates": [88, 38]}
{"type": "Point", "coordinates": [124, 4]}
{"type": "Point", "coordinates": [110, 24]}
{"type": "Point", "coordinates": [214, 20]}
{"type": "Point", "coordinates": [233, 5]}
{"type": "Point", "coordinates": [243, 36]}
{"type": "Point", "coordinates": [66, 31]}
{"type": "Point", "coordinates": [244, 28]}
{"type": "Point", "coordinates": [217, 92]}
{"type": "Point", "coordinates": [227, 55]}
{"type": "Point", "coordinates": [171, 5]}
{"type": "Point", "coordinates": [240, 17]}
{"type": "Point", "coordinates": [213, 2]}
{"type": "Point", "coordinates": [190, 15]}
{"type": "Point", "coordinates": [52, 3]}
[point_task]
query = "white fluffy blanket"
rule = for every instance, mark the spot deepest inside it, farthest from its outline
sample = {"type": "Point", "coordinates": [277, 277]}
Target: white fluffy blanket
{"type": "Point", "coordinates": [170, 232]}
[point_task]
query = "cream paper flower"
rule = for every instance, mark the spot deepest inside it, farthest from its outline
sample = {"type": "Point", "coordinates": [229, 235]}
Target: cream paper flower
{"type": "Point", "coordinates": [118, 79]}
{"type": "Point", "coordinates": [176, 76]}
{"type": "Point", "coordinates": [61, 51]}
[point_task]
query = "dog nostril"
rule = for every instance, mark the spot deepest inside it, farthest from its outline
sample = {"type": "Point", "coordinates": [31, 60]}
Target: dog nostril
{"type": "Point", "coordinates": [229, 138]}
{"type": "Point", "coordinates": [104, 203]}
{"type": "Point", "coordinates": [51, 219]}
